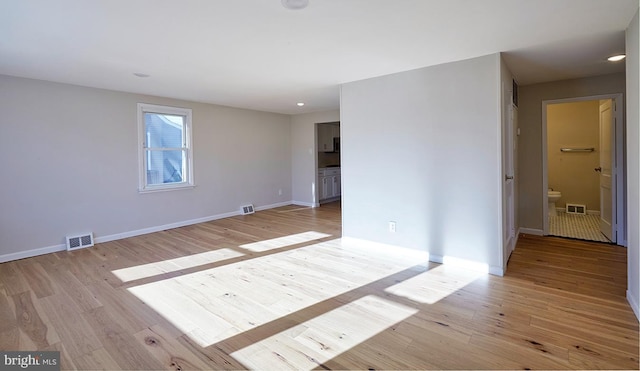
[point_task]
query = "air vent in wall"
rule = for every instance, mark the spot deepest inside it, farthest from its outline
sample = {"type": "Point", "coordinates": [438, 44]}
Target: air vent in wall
{"type": "Point", "coordinates": [79, 242]}
{"type": "Point", "coordinates": [247, 209]}
{"type": "Point", "coordinates": [576, 209]}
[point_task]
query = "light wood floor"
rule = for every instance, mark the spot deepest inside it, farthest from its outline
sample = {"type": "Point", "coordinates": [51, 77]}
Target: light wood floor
{"type": "Point", "coordinates": [278, 290]}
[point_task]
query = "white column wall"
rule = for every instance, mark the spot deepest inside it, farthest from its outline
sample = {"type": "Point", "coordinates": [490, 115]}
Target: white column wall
{"type": "Point", "coordinates": [633, 164]}
{"type": "Point", "coordinates": [423, 148]}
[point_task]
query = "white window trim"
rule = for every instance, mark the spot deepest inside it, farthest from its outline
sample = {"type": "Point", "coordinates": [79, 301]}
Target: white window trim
{"type": "Point", "coordinates": [142, 168]}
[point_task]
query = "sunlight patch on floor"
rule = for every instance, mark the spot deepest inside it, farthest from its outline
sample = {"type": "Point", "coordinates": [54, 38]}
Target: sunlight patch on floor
{"type": "Point", "coordinates": [214, 304]}
{"type": "Point", "coordinates": [279, 242]}
{"type": "Point", "coordinates": [172, 265]}
{"type": "Point", "coordinates": [436, 283]}
{"type": "Point", "coordinates": [308, 345]}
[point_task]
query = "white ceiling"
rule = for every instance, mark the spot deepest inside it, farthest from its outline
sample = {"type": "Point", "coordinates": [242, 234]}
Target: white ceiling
{"type": "Point", "coordinates": [256, 54]}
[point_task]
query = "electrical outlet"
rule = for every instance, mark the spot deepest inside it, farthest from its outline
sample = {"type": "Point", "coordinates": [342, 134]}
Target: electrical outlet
{"type": "Point", "coordinates": [392, 227]}
{"type": "Point", "coordinates": [280, 192]}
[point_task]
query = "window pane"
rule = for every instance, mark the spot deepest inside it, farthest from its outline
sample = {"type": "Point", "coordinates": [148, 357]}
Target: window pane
{"type": "Point", "coordinates": [165, 151]}
{"type": "Point", "coordinates": [163, 131]}
{"type": "Point", "coordinates": [165, 166]}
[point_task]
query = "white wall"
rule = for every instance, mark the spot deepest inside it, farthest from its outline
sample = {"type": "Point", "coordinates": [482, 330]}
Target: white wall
{"type": "Point", "coordinates": [423, 148]}
{"type": "Point", "coordinates": [70, 165]}
{"type": "Point", "coordinates": [304, 156]}
{"type": "Point", "coordinates": [633, 164]}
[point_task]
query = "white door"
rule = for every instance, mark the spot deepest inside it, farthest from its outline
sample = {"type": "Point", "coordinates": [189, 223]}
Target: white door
{"type": "Point", "coordinates": [509, 132]}
{"type": "Point", "coordinates": [607, 171]}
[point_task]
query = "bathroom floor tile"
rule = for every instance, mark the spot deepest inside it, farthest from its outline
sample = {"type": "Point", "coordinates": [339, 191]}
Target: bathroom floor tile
{"type": "Point", "coordinates": [584, 227]}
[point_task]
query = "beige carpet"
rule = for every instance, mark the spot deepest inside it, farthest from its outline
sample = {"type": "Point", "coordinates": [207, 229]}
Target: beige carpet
{"type": "Point", "coordinates": [584, 227]}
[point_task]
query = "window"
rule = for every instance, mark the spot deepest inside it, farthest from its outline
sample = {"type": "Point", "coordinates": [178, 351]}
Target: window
{"type": "Point", "coordinates": [165, 152]}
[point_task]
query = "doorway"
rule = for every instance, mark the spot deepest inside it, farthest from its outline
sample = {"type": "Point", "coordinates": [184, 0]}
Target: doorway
{"type": "Point", "coordinates": [583, 163]}
{"type": "Point", "coordinates": [329, 179]}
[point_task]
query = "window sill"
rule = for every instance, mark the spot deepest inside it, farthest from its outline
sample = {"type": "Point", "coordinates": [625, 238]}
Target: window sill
{"type": "Point", "coordinates": [166, 188]}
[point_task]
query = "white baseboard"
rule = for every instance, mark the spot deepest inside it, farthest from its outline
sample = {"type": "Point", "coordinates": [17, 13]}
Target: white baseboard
{"type": "Point", "coordinates": [138, 232]}
{"type": "Point", "coordinates": [307, 204]}
{"type": "Point", "coordinates": [272, 206]}
{"type": "Point", "coordinates": [634, 304]}
{"type": "Point", "coordinates": [30, 253]}
{"type": "Point", "coordinates": [184, 223]}
{"type": "Point", "coordinates": [436, 258]}
{"type": "Point", "coordinates": [535, 232]}
{"type": "Point", "coordinates": [468, 264]}
{"type": "Point", "coordinates": [419, 255]}
{"type": "Point", "coordinates": [589, 212]}
{"type": "Point", "coordinates": [496, 271]}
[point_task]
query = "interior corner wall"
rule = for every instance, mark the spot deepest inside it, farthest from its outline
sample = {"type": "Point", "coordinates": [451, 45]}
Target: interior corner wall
{"type": "Point", "coordinates": [633, 164]}
{"type": "Point", "coordinates": [304, 155]}
{"type": "Point", "coordinates": [71, 165]}
{"type": "Point", "coordinates": [530, 140]}
{"type": "Point", "coordinates": [423, 148]}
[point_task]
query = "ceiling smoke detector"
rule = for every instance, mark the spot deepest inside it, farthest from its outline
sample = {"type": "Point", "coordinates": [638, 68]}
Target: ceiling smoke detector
{"type": "Point", "coordinates": [295, 4]}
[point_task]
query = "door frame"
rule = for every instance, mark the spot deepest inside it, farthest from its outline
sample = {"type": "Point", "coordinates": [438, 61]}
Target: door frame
{"type": "Point", "coordinates": [620, 162]}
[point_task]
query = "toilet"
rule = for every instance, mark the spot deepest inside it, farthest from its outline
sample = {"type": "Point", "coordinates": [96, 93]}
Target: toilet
{"type": "Point", "coordinates": [552, 198]}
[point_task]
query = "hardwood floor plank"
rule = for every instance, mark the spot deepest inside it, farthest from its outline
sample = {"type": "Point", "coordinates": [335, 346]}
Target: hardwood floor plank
{"type": "Point", "coordinates": [10, 339]}
{"type": "Point", "coordinates": [316, 303]}
{"type": "Point", "coordinates": [75, 289]}
{"type": "Point", "coordinates": [608, 315]}
{"type": "Point", "coordinates": [213, 356]}
{"type": "Point", "coordinates": [99, 359]}
{"type": "Point", "coordinates": [12, 279]}
{"type": "Point", "coordinates": [624, 342]}
{"type": "Point", "coordinates": [8, 320]}
{"type": "Point", "coordinates": [443, 353]}
{"type": "Point", "coordinates": [168, 351]}
{"type": "Point", "coordinates": [74, 332]}
{"type": "Point", "coordinates": [442, 325]}
{"type": "Point", "coordinates": [117, 301]}
{"type": "Point", "coordinates": [66, 363]}
{"type": "Point", "coordinates": [587, 358]}
{"type": "Point", "coordinates": [535, 358]}
{"type": "Point", "coordinates": [121, 345]}
{"type": "Point", "coordinates": [38, 280]}
{"type": "Point", "coordinates": [382, 353]}
{"type": "Point", "coordinates": [30, 322]}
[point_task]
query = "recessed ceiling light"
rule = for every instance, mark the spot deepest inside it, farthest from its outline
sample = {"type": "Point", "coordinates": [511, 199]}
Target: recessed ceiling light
{"type": "Point", "coordinates": [295, 4]}
{"type": "Point", "coordinates": [139, 74]}
{"type": "Point", "coordinates": [300, 104]}
{"type": "Point", "coordinates": [616, 58]}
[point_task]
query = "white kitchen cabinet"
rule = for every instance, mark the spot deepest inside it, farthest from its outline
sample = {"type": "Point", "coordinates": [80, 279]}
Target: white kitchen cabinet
{"type": "Point", "coordinates": [326, 133]}
{"type": "Point", "coordinates": [329, 184]}
{"type": "Point", "coordinates": [325, 140]}
{"type": "Point", "coordinates": [322, 185]}
{"type": "Point", "coordinates": [325, 190]}
{"type": "Point", "coordinates": [337, 186]}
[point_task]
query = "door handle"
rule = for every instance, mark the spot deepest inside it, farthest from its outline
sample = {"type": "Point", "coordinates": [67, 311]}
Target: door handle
{"type": "Point", "coordinates": [598, 169]}
{"type": "Point", "coordinates": [508, 177]}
